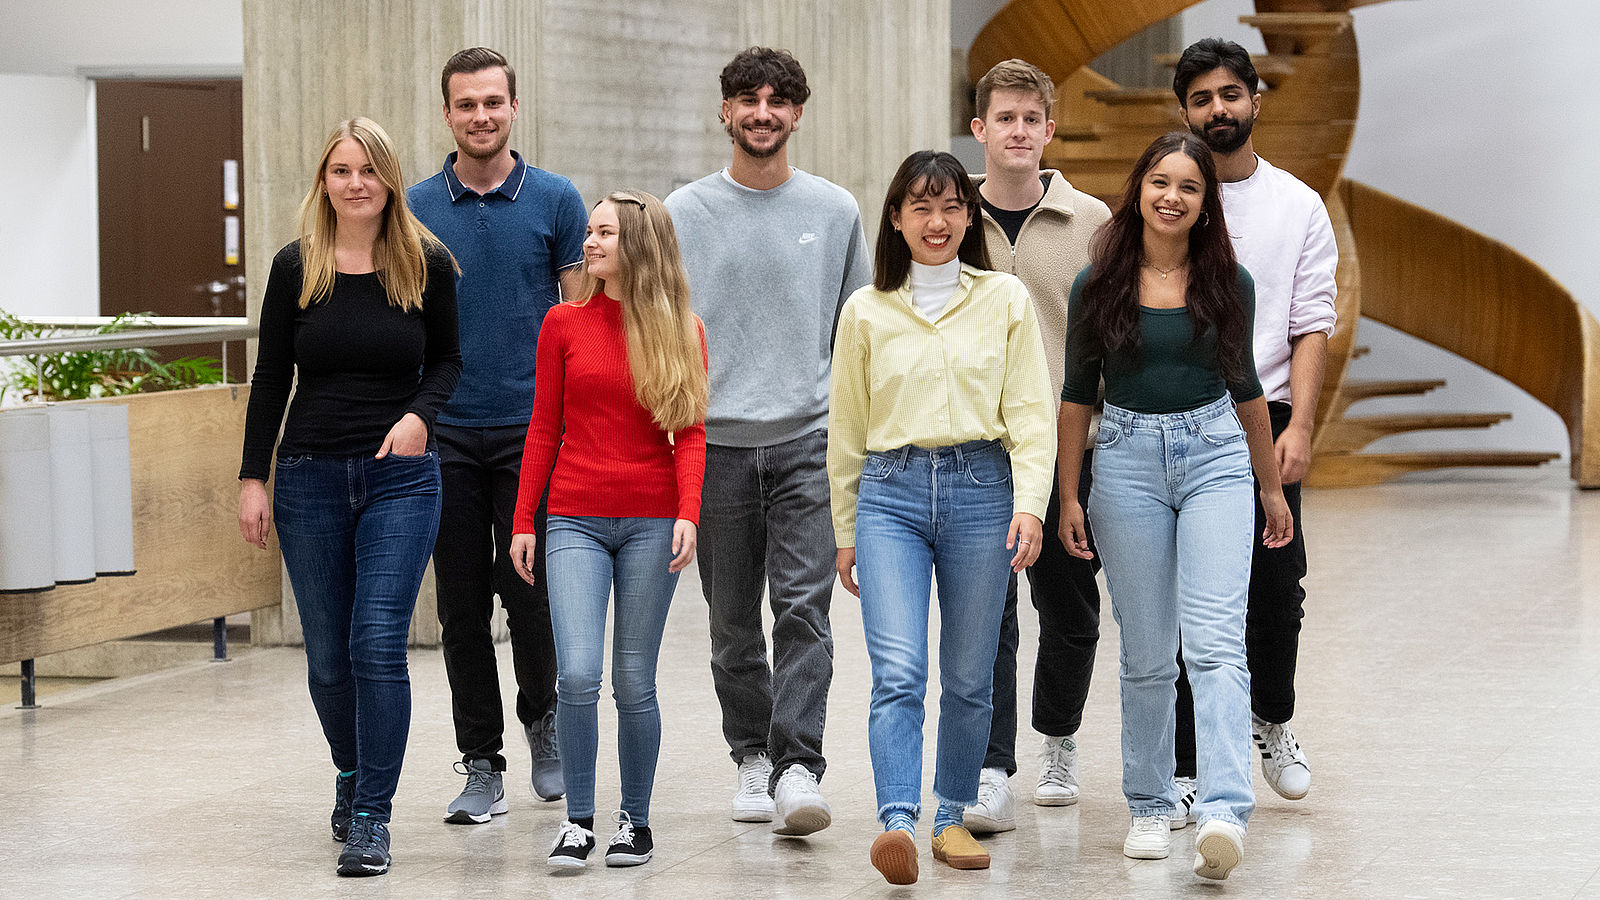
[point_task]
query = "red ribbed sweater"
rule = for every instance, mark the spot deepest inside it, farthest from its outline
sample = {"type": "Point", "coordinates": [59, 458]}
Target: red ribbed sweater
{"type": "Point", "coordinates": [591, 439]}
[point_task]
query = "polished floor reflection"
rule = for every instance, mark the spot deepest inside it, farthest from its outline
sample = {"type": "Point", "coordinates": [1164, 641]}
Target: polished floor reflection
{"type": "Point", "coordinates": [1449, 705]}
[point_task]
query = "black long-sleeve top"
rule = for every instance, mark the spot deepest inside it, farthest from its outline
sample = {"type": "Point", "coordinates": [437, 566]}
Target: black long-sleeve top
{"type": "Point", "coordinates": [363, 363]}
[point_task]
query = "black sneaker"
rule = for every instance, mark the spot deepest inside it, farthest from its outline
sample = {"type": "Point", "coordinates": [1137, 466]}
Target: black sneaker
{"type": "Point", "coordinates": [572, 846]}
{"type": "Point", "coordinates": [632, 846]}
{"type": "Point", "coordinates": [366, 850]}
{"type": "Point", "coordinates": [344, 801]}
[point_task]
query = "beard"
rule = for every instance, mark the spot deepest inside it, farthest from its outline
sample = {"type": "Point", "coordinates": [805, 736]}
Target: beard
{"type": "Point", "coordinates": [754, 151]}
{"type": "Point", "coordinates": [1226, 139]}
{"type": "Point", "coordinates": [503, 137]}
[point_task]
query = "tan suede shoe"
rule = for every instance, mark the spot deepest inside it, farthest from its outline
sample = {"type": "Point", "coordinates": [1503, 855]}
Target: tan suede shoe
{"type": "Point", "coordinates": [895, 855]}
{"type": "Point", "coordinates": [955, 846]}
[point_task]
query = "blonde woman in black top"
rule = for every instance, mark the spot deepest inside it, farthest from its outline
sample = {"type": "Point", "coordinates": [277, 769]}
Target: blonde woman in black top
{"type": "Point", "coordinates": [362, 307]}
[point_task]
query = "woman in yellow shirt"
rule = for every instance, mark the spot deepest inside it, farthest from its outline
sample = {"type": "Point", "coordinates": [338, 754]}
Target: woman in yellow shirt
{"type": "Point", "coordinates": [940, 442]}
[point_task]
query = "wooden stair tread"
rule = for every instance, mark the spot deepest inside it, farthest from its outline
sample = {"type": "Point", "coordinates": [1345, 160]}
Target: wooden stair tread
{"type": "Point", "coordinates": [1358, 352]}
{"type": "Point", "coordinates": [1298, 22]}
{"type": "Point", "coordinates": [1426, 420]}
{"type": "Point", "coordinates": [1361, 469]}
{"type": "Point", "coordinates": [1360, 390]}
{"type": "Point", "coordinates": [1125, 96]}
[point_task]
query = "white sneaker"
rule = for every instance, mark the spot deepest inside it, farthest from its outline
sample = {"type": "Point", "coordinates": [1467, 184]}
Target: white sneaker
{"type": "Point", "coordinates": [996, 809]}
{"type": "Point", "coordinates": [1283, 763]}
{"type": "Point", "coordinates": [1058, 772]}
{"type": "Point", "coordinates": [1217, 849]}
{"type": "Point", "coordinates": [1149, 837]}
{"type": "Point", "coordinates": [1184, 814]}
{"type": "Point", "coordinates": [798, 803]}
{"type": "Point", "coordinates": [751, 802]}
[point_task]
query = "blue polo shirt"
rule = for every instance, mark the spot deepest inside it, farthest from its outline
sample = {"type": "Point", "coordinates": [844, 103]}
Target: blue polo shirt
{"type": "Point", "coordinates": [511, 244]}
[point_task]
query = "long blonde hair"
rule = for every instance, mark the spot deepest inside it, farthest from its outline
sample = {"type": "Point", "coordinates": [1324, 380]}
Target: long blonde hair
{"type": "Point", "coordinates": [398, 255]}
{"type": "Point", "coordinates": [662, 332]}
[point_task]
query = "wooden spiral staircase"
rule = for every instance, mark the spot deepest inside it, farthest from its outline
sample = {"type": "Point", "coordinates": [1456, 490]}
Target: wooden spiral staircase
{"type": "Point", "coordinates": [1398, 264]}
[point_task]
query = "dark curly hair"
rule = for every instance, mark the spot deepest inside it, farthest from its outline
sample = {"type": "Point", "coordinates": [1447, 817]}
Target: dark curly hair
{"type": "Point", "coordinates": [759, 66]}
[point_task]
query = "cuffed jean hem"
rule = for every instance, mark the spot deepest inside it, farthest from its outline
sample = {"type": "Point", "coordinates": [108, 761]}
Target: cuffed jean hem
{"type": "Point", "coordinates": [888, 809]}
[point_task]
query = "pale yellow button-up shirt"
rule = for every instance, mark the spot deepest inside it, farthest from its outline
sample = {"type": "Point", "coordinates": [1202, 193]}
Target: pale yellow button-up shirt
{"type": "Point", "coordinates": [975, 372]}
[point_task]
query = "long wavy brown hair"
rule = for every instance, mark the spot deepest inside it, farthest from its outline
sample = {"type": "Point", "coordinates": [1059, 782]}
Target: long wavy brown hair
{"type": "Point", "coordinates": [1110, 321]}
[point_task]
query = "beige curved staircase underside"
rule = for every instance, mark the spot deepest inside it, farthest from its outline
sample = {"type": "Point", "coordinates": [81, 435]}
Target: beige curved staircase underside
{"type": "Point", "coordinates": [1537, 337]}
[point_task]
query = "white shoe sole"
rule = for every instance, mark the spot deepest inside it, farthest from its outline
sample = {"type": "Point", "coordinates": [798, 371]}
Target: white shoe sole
{"type": "Point", "coordinates": [804, 820]}
{"type": "Point", "coordinates": [462, 817]}
{"type": "Point", "coordinates": [977, 823]}
{"type": "Point", "coordinates": [753, 813]}
{"type": "Point", "coordinates": [566, 862]}
{"type": "Point", "coordinates": [623, 860]}
{"type": "Point", "coordinates": [1215, 856]}
{"type": "Point", "coordinates": [1146, 852]}
{"type": "Point", "coordinates": [1049, 800]}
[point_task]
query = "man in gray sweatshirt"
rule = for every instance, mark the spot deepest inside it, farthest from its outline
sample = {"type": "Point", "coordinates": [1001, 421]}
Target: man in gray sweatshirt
{"type": "Point", "coordinates": [772, 253]}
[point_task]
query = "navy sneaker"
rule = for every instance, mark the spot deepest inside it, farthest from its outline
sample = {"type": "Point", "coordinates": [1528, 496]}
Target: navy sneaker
{"type": "Point", "coordinates": [632, 846]}
{"type": "Point", "coordinates": [366, 850]}
{"type": "Point", "coordinates": [344, 801]}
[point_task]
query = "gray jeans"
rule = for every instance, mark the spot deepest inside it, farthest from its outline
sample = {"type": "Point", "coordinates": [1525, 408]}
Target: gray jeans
{"type": "Point", "coordinates": [765, 520]}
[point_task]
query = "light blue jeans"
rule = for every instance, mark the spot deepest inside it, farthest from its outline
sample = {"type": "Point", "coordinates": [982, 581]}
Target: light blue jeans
{"type": "Point", "coordinates": [1174, 517]}
{"type": "Point", "coordinates": [925, 513]}
{"type": "Point", "coordinates": [585, 558]}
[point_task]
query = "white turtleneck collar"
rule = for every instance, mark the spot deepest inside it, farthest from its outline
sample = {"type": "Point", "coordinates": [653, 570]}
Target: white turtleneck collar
{"type": "Point", "coordinates": [933, 286]}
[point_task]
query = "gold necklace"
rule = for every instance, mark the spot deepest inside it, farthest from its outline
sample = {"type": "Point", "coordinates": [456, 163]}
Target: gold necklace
{"type": "Point", "coordinates": [1165, 272]}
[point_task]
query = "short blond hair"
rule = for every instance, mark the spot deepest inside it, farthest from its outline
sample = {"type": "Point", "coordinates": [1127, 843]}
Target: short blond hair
{"type": "Point", "coordinates": [1015, 75]}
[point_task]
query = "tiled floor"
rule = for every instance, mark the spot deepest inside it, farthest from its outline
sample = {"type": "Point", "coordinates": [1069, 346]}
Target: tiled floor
{"type": "Point", "coordinates": [1448, 703]}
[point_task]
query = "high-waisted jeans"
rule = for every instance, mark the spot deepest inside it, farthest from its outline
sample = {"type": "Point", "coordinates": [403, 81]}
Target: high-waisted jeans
{"type": "Point", "coordinates": [587, 557]}
{"type": "Point", "coordinates": [1174, 520]}
{"type": "Point", "coordinates": [920, 514]}
{"type": "Point", "coordinates": [356, 533]}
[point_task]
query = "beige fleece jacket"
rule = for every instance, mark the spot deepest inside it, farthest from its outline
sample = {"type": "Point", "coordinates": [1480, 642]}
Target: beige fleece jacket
{"type": "Point", "coordinates": [1052, 248]}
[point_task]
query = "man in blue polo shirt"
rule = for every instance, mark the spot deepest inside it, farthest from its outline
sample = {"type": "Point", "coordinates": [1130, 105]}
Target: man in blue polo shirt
{"type": "Point", "coordinates": [517, 233]}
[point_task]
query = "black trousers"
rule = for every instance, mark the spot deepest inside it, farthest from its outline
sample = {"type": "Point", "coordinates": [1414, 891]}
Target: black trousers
{"type": "Point", "coordinates": [1271, 625]}
{"type": "Point", "coordinates": [471, 564]}
{"type": "Point", "coordinates": [1068, 601]}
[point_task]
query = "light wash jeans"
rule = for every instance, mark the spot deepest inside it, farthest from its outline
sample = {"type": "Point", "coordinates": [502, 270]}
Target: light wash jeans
{"type": "Point", "coordinates": [585, 558]}
{"type": "Point", "coordinates": [925, 513]}
{"type": "Point", "coordinates": [356, 533]}
{"type": "Point", "coordinates": [1174, 519]}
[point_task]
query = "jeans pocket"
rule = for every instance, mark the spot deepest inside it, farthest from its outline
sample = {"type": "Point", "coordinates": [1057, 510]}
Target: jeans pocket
{"type": "Point", "coordinates": [289, 462]}
{"type": "Point", "coordinates": [1222, 431]}
{"type": "Point", "coordinates": [1107, 436]}
{"type": "Point", "coordinates": [876, 467]}
{"type": "Point", "coordinates": [989, 469]}
{"type": "Point", "coordinates": [406, 458]}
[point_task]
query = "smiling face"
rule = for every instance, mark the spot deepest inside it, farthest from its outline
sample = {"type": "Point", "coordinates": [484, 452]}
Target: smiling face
{"type": "Point", "coordinates": [480, 112]}
{"type": "Point", "coordinates": [933, 224]}
{"type": "Point", "coordinates": [600, 242]}
{"type": "Point", "coordinates": [352, 184]}
{"type": "Point", "coordinates": [1014, 131]}
{"type": "Point", "coordinates": [1221, 110]}
{"type": "Point", "coordinates": [1171, 195]}
{"type": "Point", "coordinates": [760, 121]}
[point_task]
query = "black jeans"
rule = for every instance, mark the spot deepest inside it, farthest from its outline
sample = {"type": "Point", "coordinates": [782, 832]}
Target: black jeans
{"type": "Point", "coordinates": [1271, 625]}
{"type": "Point", "coordinates": [765, 522]}
{"type": "Point", "coordinates": [471, 564]}
{"type": "Point", "coordinates": [1068, 601]}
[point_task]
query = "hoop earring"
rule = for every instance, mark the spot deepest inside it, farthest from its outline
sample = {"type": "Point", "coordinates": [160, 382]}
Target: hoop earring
{"type": "Point", "coordinates": [1205, 219]}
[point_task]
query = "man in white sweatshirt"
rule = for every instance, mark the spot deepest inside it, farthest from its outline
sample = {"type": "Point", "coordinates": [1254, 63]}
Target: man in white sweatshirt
{"type": "Point", "coordinates": [1282, 235]}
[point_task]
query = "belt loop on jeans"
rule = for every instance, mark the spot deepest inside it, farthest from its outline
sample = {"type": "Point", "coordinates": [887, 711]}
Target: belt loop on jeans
{"type": "Point", "coordinates": [901, 457]}
{"type": "Point", "coordinates": [961, 457]}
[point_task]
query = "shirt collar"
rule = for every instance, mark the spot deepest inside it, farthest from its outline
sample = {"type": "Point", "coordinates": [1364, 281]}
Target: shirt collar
{"type": "Point", "coordinates": [507, 189]}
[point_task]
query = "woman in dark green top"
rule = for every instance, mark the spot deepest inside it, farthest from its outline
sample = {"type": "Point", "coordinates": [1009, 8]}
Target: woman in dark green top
{"type": "Point", "coordinates": [1163, 313]}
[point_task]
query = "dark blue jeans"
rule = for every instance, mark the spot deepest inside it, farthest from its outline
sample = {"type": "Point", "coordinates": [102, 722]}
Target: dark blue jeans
{"type": "Point", "coordinates": [356, 533]}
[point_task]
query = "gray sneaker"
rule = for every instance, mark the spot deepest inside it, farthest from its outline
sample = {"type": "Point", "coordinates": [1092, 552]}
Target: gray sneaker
{"type": "Point", "coordinates": [548, 783]}
{"type": "Point", "coordinates": [484, 795]}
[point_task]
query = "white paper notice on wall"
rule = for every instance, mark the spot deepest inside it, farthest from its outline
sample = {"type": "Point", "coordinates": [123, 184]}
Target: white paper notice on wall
{"type": "Point", "coordinates": [230, 184]}
{"type": "Point", "coordinates": [230, 240]}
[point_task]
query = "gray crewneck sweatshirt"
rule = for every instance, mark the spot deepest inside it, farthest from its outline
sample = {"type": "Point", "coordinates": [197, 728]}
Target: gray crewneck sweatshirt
{"type": "Point", "coordinates": [768, 272]}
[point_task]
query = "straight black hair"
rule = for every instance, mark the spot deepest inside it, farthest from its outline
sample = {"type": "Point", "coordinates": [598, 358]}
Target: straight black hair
{"type": "Point", "coordinates": [926, 173]}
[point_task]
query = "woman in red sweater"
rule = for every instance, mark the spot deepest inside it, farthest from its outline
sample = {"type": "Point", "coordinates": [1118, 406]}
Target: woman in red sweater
{"type": "Point", "coordinates": [618, 430]}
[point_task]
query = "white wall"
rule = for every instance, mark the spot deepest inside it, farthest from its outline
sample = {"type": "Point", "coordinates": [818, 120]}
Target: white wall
{"type": "Point", "coordinates": [49, 226]}
{"type": "Point", "coordinates": [1484, 117]}
{"type": "Point", "coordinates": [49, 254]}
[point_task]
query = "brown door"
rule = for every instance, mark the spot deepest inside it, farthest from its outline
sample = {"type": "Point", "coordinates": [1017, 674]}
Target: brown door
{"type": "Point", "coordinates": [167, 245]}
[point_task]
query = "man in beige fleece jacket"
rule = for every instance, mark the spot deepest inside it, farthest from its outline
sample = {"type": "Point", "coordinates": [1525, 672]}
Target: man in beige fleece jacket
{"type": "Point", "coordinates": [1037, 226]}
